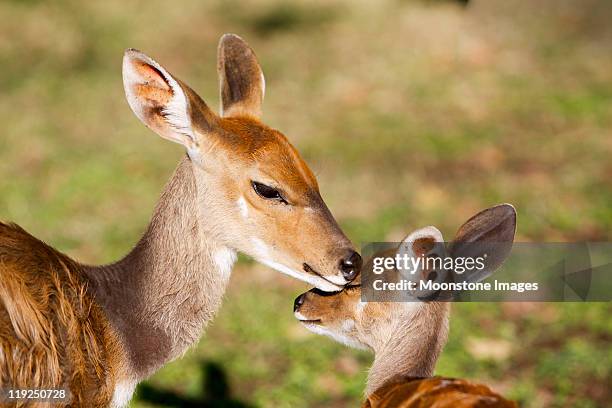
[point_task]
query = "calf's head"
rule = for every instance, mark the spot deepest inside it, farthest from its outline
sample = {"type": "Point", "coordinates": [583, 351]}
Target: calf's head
{"type": "Point", "coordinates": [344, 317]}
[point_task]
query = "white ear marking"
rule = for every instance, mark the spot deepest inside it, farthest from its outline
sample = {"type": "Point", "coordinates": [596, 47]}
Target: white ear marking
{"type": "Point", "coordinates": [175, 112]}
{"type": "Point", "coordinates": [427, 232]}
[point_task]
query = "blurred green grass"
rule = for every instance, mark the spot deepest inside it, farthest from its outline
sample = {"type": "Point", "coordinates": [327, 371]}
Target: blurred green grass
{"type": "Point", "coordinates": [411, 113]}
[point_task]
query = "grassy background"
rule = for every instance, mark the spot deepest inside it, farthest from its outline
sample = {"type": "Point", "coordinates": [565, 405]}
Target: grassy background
{"type": "Point", "coordinates": [411, 113]}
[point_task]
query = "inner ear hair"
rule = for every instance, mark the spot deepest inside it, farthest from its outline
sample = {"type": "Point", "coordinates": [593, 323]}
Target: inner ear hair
{"type": "Point", "coordinates": [422, 246]}
{"type": "Point", "coordinates": [162, 102]}
{"type": "Point", "coordinates": [156, 98]}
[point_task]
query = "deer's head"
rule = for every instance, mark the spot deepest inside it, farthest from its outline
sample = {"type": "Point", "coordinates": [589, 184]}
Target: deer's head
{"type": "Point", "coordinates": [257, 193]}
{"type": "Point", "coordinates": [344, 317]}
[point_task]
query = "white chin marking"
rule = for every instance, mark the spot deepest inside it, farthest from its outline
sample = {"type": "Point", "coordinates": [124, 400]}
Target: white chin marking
{"type": "Point", "coordinates": [123, 394]}
{"type": "Point", "coordinates": [340, 338]}
{"type": "Point", "coordinates": [260, 249]}
{"type": "Point", "coordinates": [316, 281]}
{"type": "Point", "coordinates": [337, 279]}
{"type": "Point", "coordinates": [300, 316]}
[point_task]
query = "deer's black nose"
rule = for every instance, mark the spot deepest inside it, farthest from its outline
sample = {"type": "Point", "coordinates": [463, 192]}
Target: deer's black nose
{"type": "Point", "coordinates": [351, 266]}
{"type": "Point", "coordinates": [299, 301]}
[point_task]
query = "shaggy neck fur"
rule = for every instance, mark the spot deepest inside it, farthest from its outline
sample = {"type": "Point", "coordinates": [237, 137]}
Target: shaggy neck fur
{"type": "Point", "coordinates": [412, 346]}
{"type": "Point", "coordinates": [162, 294]}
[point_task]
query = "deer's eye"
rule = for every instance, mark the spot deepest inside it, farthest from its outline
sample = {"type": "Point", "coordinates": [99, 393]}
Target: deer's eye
{"type": "Point", "coordinates": [267, 192]}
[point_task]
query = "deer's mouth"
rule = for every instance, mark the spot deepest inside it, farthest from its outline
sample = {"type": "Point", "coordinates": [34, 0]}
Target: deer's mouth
{"type": "Point", "coordinates": [312, 321]}
{"type": "Point", "coordinates": [305, 320]}
{"type": "Point", "coordinates": [308, 275]}
{"type": "Point", "coordinates": [310, 270]}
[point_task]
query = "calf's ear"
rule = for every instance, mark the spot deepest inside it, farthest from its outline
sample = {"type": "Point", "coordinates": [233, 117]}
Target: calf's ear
{"type": "Point", "coordinates": [488, 234]}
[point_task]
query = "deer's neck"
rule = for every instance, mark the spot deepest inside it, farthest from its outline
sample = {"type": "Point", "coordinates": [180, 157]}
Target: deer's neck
{"type": "Point", "coordinates": [413, 347]}
{"type": "Point", "coordinates": [162, 294]}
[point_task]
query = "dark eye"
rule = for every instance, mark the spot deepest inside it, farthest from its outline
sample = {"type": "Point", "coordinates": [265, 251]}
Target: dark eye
{"type": "Point", "coordinates": [267, 192]}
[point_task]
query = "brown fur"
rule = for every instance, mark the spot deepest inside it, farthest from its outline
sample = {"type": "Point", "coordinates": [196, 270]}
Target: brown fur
{"type": "Point", "coordinates": [52, 333]}
{"type": "Point", "coordinates": [436, 392]}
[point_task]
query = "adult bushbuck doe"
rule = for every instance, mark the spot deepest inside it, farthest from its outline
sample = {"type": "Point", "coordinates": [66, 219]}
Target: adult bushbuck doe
{"type": "Point", "coordinates": [99, 330]}
{"type": "Point", "coordinates": [407, 337]}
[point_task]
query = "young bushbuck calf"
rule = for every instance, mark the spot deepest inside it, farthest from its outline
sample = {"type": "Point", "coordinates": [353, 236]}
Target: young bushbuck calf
{"type": "Point", "coordinates": [99, 330]}
{"type": "Point", "coordinates": [407, 337]}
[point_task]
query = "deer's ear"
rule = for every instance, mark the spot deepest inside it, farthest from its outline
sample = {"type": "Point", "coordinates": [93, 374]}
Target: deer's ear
{"type": "Point", "coordinates": [422, 243]}
{"type": "Point", "coordinates": [489, 233]}
{"type": "Point", "coordinates": [240, 78]}
{"type": "Point", "coordinates": [162, 102]}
